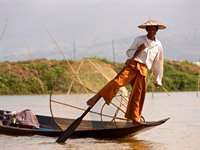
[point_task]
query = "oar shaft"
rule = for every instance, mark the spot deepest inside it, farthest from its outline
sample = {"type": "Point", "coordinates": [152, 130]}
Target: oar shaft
{"type": "Point", "coordinates": [68, 132]}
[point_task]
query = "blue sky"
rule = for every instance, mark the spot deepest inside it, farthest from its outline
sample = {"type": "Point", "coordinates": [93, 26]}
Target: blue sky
{"type": "Point", "coordinates": [100, 22]}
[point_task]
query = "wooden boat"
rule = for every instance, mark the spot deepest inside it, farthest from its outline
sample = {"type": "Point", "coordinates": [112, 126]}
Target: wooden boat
{"type": "Point", "coordinates": [94, 129]}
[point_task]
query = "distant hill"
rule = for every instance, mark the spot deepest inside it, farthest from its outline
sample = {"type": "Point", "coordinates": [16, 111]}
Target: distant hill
{"type": "Point", "coordinates": [85, 76]}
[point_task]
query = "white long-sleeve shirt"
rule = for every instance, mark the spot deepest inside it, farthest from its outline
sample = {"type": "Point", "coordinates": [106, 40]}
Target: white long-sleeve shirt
{"type": "Point", "coordinates": [151, 56]}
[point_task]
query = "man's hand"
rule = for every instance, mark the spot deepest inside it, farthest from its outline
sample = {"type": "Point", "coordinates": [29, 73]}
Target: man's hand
{"type": "Point", "coordinates": [139, 49]}
{"type": "Point", "coordinates": [157, 85]}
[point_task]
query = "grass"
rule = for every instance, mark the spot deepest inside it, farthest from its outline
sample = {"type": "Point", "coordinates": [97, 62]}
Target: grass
{"type": "Point", "coordinates": [88, 75]}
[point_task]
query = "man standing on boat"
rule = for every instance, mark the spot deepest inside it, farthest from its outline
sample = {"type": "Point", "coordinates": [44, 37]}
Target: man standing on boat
{"type": "Point", "coordinates": [145, 53]}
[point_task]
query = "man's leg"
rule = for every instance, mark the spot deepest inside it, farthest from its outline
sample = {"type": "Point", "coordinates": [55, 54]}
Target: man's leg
{"type": "Point", "coordinates": [136, 99]}
{"type": "Point", "coordinates": [109, 91]}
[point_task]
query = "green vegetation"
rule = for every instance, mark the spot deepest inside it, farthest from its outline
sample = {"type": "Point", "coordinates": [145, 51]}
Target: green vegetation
{"type": "Point", "coordinates": [40, 76]}
{"type": "Point", "coordinates": [181, 76]}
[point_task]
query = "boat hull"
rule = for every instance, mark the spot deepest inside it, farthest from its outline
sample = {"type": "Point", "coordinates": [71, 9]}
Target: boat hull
{"type": "Point", "coordinates": [93, 129]}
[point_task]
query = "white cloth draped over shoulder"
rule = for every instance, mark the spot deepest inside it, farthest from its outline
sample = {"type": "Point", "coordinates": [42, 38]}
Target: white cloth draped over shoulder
{"type": "Point", "coordinates": [151, 56]}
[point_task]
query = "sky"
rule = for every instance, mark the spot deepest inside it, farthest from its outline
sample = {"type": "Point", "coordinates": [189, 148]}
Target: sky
{"type": "Point", "coordinates": [95, 28]}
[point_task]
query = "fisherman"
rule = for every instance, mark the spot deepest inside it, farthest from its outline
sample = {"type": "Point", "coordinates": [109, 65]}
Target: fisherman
{"type": "Point", "coordinates": [146, 52]}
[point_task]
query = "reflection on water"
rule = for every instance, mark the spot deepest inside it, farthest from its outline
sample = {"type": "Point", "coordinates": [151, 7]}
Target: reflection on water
{"type": "Point", "coordinates": [41, 143]}
{"type": "Point", "coordinates": [182, 131]}
{"type": "Point", "coordinates": [136, 144]}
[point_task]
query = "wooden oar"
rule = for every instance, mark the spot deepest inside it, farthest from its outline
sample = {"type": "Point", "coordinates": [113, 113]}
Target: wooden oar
{"type": "Point", "coordinates": [68, 132]}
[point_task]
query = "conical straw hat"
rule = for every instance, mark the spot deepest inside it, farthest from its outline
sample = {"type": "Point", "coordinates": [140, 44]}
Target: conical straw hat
{"type": "Point", "coordinates": [152, 22]}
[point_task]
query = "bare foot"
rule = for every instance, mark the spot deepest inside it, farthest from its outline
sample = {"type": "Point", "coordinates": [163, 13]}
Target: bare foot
{"type": "Point", "coordinates": [93, 100]}
{"type": "Point", "coordinates": [134, 122]}
{"type": "Point", "coordinates": [138, 122]}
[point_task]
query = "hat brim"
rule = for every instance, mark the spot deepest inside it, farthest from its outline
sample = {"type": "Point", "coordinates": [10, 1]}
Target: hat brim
{"type": "Point", "coordinates": [160, 27]}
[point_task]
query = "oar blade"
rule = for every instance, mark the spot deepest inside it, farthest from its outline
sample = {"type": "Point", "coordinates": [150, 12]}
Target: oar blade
{"type": "Point", "coordinates": [68, 132]}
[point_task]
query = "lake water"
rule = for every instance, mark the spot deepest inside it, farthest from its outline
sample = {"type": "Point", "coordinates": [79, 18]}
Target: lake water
{"type": "Point", "coordinates": [181, 132]}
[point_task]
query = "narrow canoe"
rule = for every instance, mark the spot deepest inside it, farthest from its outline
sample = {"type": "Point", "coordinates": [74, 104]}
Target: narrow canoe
{"type": "Point", "coordinates": [94, 129]}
